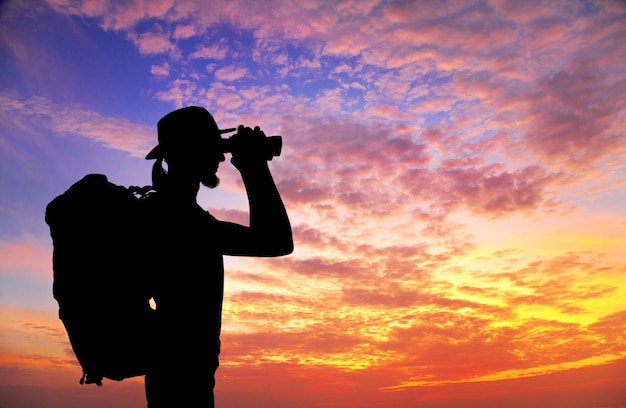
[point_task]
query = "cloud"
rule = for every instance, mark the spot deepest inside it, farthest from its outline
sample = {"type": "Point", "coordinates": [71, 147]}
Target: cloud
{"type": "Point", "coordinates": [491, 109]}
{"type": "Point", "coordinates": [42, 329]}
{"type": "Point", "coordinates": [492, 192]}
{"type": "Point", "coordinates": [427, 331]}
{"type": "Point", "coordinates": [493, 94]}
{"type": "Point", "coordinates": [395, 306]}
{"type": "Point", "coordinates": [115, 16]}
{"type": "Point", "coordinates": [215, 51]}
{"type": "Point", "coordinates": [182, 32]}
{"type": "Point", "coordinates": [612, 330]}
{"type": "Point", "coordinates": [115, 133]}
{"type": "Point", "coordinates": [150, 43]}
{"type": "Point", "coordinates": [597, 384]}
{"type": "Point", "coordinates": [403, 122]}
{"type": "Point", "coordinates": [230, 74]}
{"type": "Point", "coordinates": [560, 129]}
{"type": "Point", "coordinates": [160, 71]}
{"type": "Point", "coordinates": [179, 93]}
{"type": "Point", "coordinates": [26, 260]}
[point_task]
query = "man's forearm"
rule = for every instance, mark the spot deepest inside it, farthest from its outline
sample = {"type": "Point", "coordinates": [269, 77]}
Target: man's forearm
{"type": "Point", "coordinates": [269, 222]}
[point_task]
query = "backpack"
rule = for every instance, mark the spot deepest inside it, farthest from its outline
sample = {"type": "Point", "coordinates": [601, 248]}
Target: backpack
{"type": "Point", "coordinates": [101, 238]}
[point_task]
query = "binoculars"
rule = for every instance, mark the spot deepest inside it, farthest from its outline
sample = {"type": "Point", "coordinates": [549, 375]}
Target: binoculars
{"type": "Point", "coordinates": [270, 147]}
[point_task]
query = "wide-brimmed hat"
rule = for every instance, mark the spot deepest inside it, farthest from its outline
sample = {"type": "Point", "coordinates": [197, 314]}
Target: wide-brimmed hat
{"type": "Point", "coordinates": [185, 127]}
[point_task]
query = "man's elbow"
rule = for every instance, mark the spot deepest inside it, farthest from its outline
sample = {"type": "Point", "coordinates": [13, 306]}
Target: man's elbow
{"type": "Point", "coordinates": [288, 248]}
{"type": "Point", "coordinates": [281, 247]}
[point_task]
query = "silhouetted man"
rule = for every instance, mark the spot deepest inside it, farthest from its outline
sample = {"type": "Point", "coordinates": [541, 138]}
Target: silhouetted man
{"type": "Point", "coordinates": [189, 245]}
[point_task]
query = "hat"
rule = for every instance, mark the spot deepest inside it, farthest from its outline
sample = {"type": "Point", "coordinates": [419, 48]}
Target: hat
{"type": "Point", "coordinates": [186, 126]}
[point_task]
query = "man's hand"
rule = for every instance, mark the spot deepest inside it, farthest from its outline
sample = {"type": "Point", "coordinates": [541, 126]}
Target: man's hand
{"type": "Point", "coordinates": [248, 147]}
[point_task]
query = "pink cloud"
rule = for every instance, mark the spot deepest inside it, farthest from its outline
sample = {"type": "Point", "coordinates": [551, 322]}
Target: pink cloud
{"type": "Point", "coordinates": [390, 112]}
{"type": "Point", "coordinates": [152, 43]}
{"type": "Point", "coordinates": [91, 8]}
{"type": "Point", "coordinates": [575, 122]}
{"type": "Point", "coordinates": [561, 109]}
{"type": "Point", "coordinates": [117, 16]}
{"type": "Point", "coordinates": [461, 162]}
{"type": "Point", "coordinates": [182, 32]}
{"type": "Point", "coordinates": [306, 235]}
{"type": "Point", "coordinates": [297, 190]}
{"type": "Point", "coordinates": [513, 10]}
{"type": "Point", "coordinates": [356, 159]}
{"type": "Point", "coordinates": [230, 74]}
{"type": "Point", "coordinates": [215, 51]}
{"type": "Point", "coordinates": [160, 71]}
{"type": "Point", "coordinates": [489, 190]}
{"type": "Point", "coordinates": [115, 133]}
{"type": "Point", "coordinates": [26, 260]}
{"type": "Point", "coordinates": [179, 93]}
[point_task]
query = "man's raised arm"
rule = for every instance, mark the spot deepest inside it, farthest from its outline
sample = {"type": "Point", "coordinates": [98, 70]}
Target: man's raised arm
{"type": "Point", "coordinates": [269, 233]}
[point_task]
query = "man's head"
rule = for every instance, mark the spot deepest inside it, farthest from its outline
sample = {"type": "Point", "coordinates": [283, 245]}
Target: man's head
{"type": "Point", "coordinates": [189, 139]}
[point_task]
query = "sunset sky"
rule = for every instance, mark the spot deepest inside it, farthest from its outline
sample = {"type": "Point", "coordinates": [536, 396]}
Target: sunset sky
{"type": "Point", "coordinates": [455, 174]}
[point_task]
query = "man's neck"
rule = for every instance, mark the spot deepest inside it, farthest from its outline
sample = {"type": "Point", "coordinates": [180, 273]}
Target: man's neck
{"type": "Point", "coordinates": [183, 191]}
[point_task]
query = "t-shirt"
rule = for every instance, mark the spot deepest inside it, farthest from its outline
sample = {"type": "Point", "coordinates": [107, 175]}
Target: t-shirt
{"type": "Point", "coordinates": [188, 280]}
